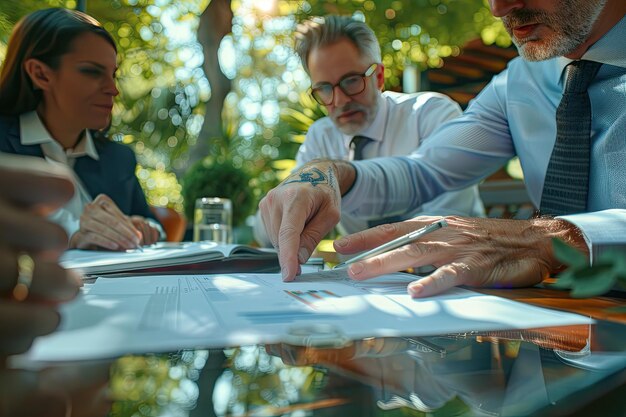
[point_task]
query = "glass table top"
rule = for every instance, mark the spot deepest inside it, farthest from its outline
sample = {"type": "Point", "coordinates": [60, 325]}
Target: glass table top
{"type": "Point", "coordinates": [573, 370]}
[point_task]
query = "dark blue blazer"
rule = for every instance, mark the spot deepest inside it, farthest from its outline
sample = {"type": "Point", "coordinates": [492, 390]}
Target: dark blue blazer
{"type": "Point", "coordinates": [113, 174]}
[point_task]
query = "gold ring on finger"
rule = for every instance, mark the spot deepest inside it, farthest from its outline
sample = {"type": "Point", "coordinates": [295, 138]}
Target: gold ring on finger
{"type": "Point", "coordinates": [25, 268]}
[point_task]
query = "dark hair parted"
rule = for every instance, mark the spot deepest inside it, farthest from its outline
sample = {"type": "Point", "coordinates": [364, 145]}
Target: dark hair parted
{"type": "Point", "coordinates": [45, 35]}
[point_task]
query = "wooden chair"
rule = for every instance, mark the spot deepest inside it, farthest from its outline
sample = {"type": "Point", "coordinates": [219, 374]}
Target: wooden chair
{"type": "Point", "coordinates": [172, 221]}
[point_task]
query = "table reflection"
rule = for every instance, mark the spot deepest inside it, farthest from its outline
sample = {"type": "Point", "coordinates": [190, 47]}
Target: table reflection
{"type": "Point", "coordinates": [513, 373]}
{"type": "Point", "coordinates": [77, 390]}
{"type": "Point", "coordinates": [494, 373]}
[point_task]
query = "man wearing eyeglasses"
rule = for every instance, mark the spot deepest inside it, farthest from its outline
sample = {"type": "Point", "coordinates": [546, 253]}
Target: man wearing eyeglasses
{"type": "Point", "coordinates": [343, 59]}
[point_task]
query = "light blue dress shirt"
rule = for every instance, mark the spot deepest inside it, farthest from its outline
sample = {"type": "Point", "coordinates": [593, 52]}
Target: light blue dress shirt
{"type": "Point", "coordinates": [516, 115]}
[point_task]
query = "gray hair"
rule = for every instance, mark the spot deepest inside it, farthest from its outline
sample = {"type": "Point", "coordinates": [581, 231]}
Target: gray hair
{"type": "Point", "coordinates": [321, 31]}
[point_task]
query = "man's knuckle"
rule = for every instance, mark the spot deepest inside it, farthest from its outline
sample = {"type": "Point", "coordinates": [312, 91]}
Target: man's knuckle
{"type": "Point", "coordinates": [376, 264]}
{"type": "Point", "coordinates": [333, 215]}
{"type": "Point", "coordinates": [314, 236]}
{"type": "Point", "coordinates": [417, 250]}
{"type": "Point", "coordinates": [289, 194]}
{"type": "Point", "coordinates": [461, 272]}
{"type": "Point", "coordinates": [286, 231]}
{"type": "Point", "coordinates": [388, 229]}
{"type": "Point", "coordinates": [446, 278]}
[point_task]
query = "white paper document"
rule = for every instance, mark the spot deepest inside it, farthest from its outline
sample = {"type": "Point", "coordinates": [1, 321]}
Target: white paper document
{"type": "Point", "coordinates": [119, 316]}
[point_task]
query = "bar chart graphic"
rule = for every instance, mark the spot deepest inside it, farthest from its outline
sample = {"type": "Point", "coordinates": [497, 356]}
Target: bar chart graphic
{"type": "Point", "coordinates": [309, 297]}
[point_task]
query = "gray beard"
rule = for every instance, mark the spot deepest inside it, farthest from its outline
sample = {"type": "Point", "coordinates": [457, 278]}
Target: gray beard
{"type": "Point", "coordinates": [571, 28]}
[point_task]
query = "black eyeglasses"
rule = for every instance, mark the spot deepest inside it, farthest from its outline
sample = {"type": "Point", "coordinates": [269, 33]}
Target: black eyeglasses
{"type": "Point", "coordinates": [350, 85]}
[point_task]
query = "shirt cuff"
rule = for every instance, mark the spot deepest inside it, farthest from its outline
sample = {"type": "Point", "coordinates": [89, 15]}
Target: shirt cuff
{"type": "Point", "coordinates": [603, 230]}
{"type": "Point", "coordinates": [351, 200]}
{"type": "Point", "coordinates": [66, 220]}
{"type": "Point", "coordinates": [157, 225]}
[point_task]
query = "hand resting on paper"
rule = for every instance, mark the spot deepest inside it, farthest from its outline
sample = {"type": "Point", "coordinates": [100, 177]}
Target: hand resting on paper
{"type": "Point", "coordinates": [103, 225]}
{"type": "Point", "coordinates": [29, 188]}
{"type": "Point", "coordinates": [470, 251]}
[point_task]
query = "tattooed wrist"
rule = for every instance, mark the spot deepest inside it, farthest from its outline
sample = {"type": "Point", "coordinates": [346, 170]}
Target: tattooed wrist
{"type": "Point", "coordinates": [338, 175]}
{"type": "Point", "coordinates": [312, 175]}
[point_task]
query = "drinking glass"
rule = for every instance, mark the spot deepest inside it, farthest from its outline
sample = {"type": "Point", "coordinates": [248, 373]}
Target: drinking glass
{"type": "Point", "coordinates": [213, 220]}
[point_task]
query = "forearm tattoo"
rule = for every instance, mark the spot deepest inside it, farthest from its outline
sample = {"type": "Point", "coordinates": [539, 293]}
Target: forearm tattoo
{"type": "Point", "coordinates": [313, 176]}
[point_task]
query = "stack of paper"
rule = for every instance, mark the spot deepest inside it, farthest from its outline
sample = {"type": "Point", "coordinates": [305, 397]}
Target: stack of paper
{"type": "Point", "coordinates": [164, 313]}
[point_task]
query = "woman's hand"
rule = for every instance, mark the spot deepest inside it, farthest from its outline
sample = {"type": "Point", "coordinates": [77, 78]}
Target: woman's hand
{"type": "Point", "coordinates": [103, 225]}
{"type": "Point", "coordinates": [149, 233]}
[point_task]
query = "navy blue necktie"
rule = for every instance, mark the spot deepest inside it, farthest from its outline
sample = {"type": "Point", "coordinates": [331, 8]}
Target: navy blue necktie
{"type": "Point", "coordinates": [566, 184]}
{"type": "Point", "coordinates": [357, 144]}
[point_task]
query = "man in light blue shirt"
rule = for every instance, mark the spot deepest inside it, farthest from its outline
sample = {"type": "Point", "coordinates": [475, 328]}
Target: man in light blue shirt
{"type": "Point", "coordinates": [514, 115]}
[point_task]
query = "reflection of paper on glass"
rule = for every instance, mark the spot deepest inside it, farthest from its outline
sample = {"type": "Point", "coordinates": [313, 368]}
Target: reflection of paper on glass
{"type": "Point", "coordinates": [592, 361]}
{"type": "Point", "coordinates": [163, 313]}
{"type": "Point", "coordinates": [158, 255]}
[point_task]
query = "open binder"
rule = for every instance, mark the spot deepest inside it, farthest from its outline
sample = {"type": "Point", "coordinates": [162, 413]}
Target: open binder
{"type": "Point", "coordinates": [164, 257]}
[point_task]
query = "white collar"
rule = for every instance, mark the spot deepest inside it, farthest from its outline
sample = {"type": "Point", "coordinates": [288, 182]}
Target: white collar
{"type": "Point", "coordinates": [376, 129]}
{"type": "Point", "coordinates": [33, 132]}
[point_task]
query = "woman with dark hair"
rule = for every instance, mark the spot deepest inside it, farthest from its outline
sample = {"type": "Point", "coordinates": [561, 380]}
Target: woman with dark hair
{"type": "Point", "coordinates": [57, 86]}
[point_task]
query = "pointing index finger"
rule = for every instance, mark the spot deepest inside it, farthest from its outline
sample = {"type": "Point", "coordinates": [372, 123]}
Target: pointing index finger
{"type": "Point", "coordinates": [291, 228]}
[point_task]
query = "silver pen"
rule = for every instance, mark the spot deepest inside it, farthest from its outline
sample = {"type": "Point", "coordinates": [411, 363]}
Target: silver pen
{"type": "Point", "coordinates": [396, 243]}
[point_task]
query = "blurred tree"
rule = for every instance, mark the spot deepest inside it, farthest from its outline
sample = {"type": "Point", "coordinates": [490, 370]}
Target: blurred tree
{"type": "Point", "coordinates": [216, 21]}
{"type": "Point", "coordinates": [418, 32]}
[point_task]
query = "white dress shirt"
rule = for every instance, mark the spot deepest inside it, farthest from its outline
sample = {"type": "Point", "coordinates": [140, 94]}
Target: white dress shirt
{"type": "Point", "coordinates": [33, 132]}
{"type": "Point", "coordinates": [515, 115]}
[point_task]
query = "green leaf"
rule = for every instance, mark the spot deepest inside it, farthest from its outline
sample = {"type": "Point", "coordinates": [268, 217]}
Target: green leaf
{"type": "Point", "coordinates": [592, 271]}
{"type": "Point", "coordinates": [296, 115]}
{"type": "Point", "coordinates": [567, 254]}
{"type": "Point", "coordinates": [615, 258]}
{"type": "Point", "coordinates": [621, 280]}
{"type": "Point", "coordinates": [564, 280]}
{"type": "Point", "coordinates": [593, 285]}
